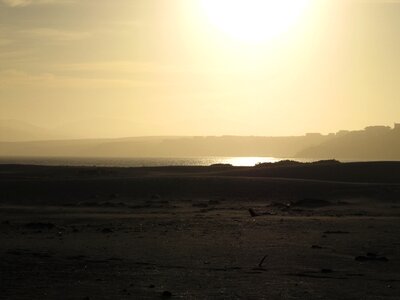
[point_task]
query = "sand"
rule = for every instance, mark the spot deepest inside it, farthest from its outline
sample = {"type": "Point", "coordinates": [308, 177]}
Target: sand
{"type": "Point", "coordinates": [148, 233]}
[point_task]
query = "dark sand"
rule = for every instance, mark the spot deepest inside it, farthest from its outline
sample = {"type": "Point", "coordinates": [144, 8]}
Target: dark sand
{"type": "Point", "coordinates": [324, 232]}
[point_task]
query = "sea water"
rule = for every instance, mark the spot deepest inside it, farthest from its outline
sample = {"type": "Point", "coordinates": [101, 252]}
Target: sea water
{"type": "Point", "coordinates": [142, 161]}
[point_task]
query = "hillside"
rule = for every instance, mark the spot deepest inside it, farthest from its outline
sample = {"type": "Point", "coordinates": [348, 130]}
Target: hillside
{"type": "Point", "coordinates": [373, 143]}
{"type": "Point", "coordinates": [164, 147]}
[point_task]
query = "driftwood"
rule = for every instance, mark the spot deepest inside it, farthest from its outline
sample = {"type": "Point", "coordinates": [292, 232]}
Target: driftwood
{"type": "Point", "coordinates": [262, 261]}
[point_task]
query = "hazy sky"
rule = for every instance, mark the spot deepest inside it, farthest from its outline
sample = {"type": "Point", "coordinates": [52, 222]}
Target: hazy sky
{"type": "Point", "coordinates": [186, 67]}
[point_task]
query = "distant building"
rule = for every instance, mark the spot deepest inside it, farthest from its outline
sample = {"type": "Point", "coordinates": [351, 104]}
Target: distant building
{"type": "Point", "coordinates": [377, 129]}
{"type": "Point", "coordinates": [342, 132]}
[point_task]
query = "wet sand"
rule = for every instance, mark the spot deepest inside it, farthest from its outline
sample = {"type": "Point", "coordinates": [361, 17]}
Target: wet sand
{"type": "Point", "coordinates": [148, 233]}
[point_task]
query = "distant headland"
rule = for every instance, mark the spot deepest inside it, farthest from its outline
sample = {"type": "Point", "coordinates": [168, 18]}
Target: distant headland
{"type": "Point", "coordinates": [370, 143]}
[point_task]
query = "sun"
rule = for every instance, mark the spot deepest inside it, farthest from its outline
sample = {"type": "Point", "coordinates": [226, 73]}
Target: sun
{"type": "Point", "coordinates": [254, 21]}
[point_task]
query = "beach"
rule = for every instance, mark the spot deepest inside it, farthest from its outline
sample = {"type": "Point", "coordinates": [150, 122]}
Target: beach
{"type": "Point", "coordinates": [308, 231]}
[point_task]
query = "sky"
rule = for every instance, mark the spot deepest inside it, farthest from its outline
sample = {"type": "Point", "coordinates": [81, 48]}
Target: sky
{"type": "Point", "coordinates": [100, 68]}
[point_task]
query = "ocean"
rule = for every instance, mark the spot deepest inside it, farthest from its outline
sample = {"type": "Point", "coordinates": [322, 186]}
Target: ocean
{"type": "Point", "coordinates": [141, 162]}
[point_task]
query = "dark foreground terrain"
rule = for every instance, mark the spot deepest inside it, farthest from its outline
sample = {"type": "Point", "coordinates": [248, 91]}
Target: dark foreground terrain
{"type": "Point", "coordinates": [307, 231]}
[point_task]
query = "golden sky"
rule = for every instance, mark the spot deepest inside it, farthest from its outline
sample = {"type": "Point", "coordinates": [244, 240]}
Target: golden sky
{"type": "Point", "coordinates": [100, 68]}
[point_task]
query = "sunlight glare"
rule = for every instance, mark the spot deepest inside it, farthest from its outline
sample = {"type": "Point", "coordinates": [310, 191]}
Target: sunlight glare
{"type": "Point", "coordinates": [249, 161]}
{"type": "Point", "coordinates": [254, 21]}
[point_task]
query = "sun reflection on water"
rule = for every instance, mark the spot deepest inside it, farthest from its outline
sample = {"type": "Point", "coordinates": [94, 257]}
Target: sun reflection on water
{"type": "Point", "coordinates": [249, 161]}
